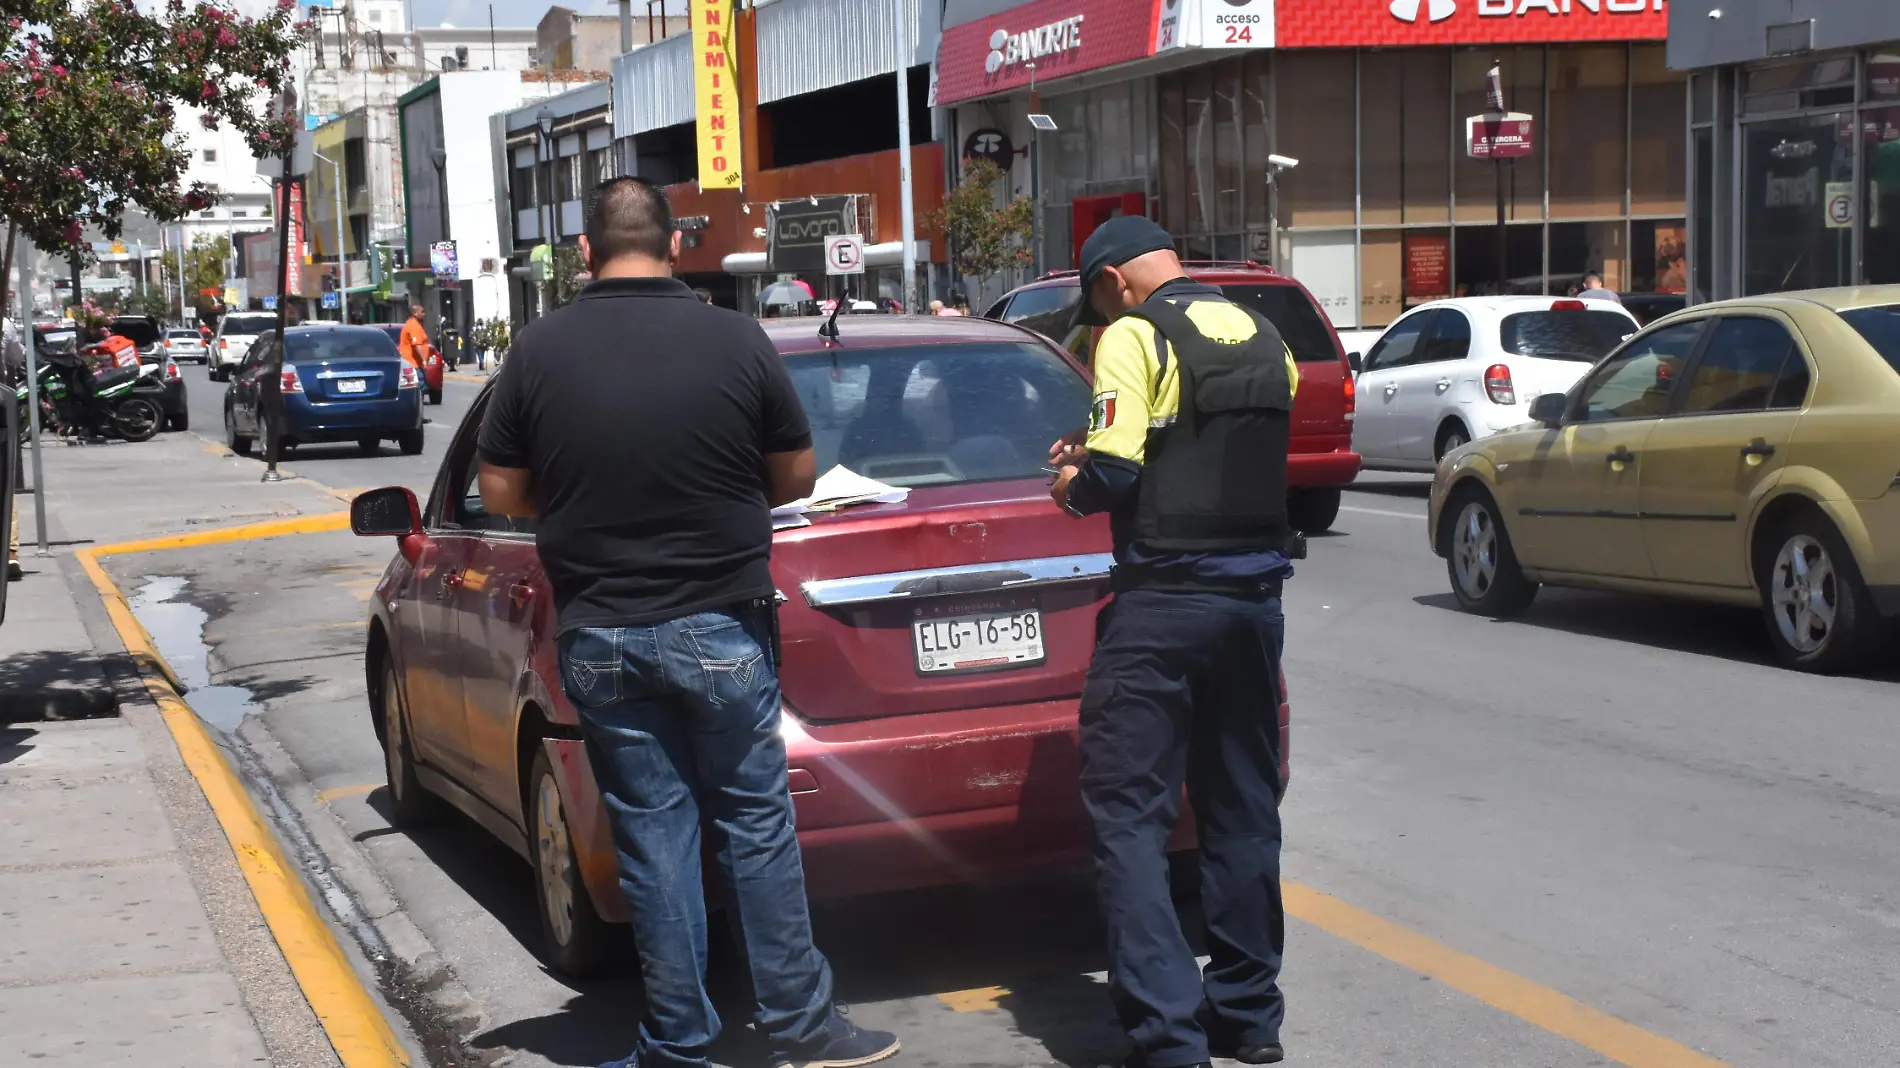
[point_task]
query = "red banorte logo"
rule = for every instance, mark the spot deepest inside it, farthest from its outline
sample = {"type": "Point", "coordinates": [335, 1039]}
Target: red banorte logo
{"type": "Point", "coordinates": [1433, 10]}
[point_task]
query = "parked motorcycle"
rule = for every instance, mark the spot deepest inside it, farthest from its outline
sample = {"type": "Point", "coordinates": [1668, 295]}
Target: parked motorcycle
{"type": "Point", "coordinates": [115, 412]}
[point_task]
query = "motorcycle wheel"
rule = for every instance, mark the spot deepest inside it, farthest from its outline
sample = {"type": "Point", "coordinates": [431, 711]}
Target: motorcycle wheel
{"type": "Point", "coordinates": [137, 419]}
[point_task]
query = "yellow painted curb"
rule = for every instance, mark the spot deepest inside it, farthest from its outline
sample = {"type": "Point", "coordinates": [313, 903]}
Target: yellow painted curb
{"type": "Point", "coordinates": [354, 1022]}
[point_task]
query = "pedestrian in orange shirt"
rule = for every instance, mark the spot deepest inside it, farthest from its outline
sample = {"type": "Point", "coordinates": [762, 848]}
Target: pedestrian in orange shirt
{"type": "Point", "coordinates": [414, 342]}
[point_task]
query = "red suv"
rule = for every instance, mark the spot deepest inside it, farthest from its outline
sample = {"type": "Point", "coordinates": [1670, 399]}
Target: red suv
{"type": "Point", "coordinates": [1321, 460]}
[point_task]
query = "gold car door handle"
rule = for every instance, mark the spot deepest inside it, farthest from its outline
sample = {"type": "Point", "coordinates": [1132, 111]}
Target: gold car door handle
{"type": "Point", "coordinates": [1756, 451]}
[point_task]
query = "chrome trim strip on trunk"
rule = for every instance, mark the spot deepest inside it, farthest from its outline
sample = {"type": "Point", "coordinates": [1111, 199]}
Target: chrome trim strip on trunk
{"type": "Point", "coordinates": [950, 581]}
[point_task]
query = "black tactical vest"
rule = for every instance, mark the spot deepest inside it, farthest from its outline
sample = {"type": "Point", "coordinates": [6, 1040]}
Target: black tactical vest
{"type": "Point", "coordinates": [1215, 479]}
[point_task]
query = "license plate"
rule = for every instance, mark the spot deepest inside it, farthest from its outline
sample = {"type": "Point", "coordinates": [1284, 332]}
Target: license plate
{"type": "Point", "coordinates": [969, 643]}
{"type": "Point", "coordinates": [352, 385]}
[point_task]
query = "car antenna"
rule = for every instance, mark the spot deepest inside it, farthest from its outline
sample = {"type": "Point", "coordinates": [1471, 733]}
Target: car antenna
{"type": "Point", "coordinates": [829, 328]}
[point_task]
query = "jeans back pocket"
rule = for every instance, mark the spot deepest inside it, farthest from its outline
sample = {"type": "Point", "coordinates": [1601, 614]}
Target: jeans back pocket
{"type": "Point", "coordinates": [591, 667]}
{"type": "Point", "coordinates": [730, 660]}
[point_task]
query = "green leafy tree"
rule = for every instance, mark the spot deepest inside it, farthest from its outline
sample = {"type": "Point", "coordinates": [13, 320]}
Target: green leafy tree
{"type": "Point", "coordinates": [985, 239]}
{"type": "Point", "coordinates": [89, 92]}
{"type": "Point", "coordinates": [203, 269]}
{"type": "Point", "coordinates": [566, 275]}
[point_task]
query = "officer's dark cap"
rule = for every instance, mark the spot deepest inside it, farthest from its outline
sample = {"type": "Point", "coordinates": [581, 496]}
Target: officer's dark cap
{"type": "Point", "coordinates": [1114, 243]}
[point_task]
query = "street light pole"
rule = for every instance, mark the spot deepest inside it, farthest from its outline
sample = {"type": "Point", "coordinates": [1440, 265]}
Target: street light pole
{"type": "Point", "coordinates": [336, 171]}
{"type": "Point", "coordinates": [905, 196]}
{"type": "Point", "coordinates": [31, 344]}
{"type": "Point", "coordinates": [544, 124]}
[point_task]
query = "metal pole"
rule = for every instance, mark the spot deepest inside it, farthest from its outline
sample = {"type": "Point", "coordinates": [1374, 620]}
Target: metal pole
{"type": "Point", "coordinates": [906, 197]}
{"type": "Point", "coordinates": [547, 233]}
{"type": "Point", "coordinates": [273, 382]}
{"type": "Point", "coordinates": [1273, 220]}
{"type": "Point", "coordinates": [32, 401]}
{"type": "Point", "coordinates": [336, 171]}
{"type": "Point", "coordinates": [494, 61]}
{"type": "Point", "coordinates": [1035, 178]}
{"type": "Point", "coordinates": [181, 276]}
{"type": "Point", "coordinates": [1504, 272]}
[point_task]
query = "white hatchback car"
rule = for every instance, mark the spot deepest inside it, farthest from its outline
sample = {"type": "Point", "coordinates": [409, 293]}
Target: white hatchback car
{"type": "Point", "coordinates": [1452, 371]}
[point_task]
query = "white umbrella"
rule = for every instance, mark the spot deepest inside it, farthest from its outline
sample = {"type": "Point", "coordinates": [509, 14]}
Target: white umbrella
{"type": "Point", "coordinates": [783, 293]}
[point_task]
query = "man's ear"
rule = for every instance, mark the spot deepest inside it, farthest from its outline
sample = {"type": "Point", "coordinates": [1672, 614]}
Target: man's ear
{"type": "Point", "coordinates": [673, 249]}
{"type": "Point", "coordinates": [587, 256]}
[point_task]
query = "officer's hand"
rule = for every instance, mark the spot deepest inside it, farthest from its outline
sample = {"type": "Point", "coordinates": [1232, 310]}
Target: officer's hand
{"type": "Point", "coordinates": [1068, 450]}
{"type": "Point", "coordinates": [1059, 487]}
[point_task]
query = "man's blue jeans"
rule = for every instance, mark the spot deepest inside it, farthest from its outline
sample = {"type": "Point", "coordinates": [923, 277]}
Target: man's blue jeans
{"type": "Point", "coordinates": [681, 721]}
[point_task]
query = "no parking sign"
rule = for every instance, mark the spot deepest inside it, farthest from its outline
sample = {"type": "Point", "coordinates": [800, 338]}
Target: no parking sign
{"type": "Point", "coordinates": [844, 254]}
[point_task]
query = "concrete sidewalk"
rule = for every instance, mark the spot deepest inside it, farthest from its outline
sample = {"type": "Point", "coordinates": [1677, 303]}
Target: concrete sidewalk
{"type": "Point", "coordinates": [128, 934]}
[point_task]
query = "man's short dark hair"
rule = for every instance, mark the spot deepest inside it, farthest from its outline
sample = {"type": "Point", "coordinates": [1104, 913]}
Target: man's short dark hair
{"type": "Point", "coordinates": [1592, 276]}
{"type": "Point", "coordinates": [629, 215]}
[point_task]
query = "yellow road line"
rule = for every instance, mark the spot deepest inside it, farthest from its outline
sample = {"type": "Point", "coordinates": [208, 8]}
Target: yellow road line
{"type": "Point", "coordinates": [337, 793]}
{"type": "Point", "coordinates": [1619, 1040]}
{"type": "Point", "coordinates": [979, 999]}
{"type": "Point", "coordinates": [350, 1016]}
{"type": "Point", "coordinates": [478, 379]}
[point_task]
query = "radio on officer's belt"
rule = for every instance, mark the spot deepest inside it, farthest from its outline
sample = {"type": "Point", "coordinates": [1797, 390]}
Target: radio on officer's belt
{"type": "Point", "coordinates": [1295, 546]}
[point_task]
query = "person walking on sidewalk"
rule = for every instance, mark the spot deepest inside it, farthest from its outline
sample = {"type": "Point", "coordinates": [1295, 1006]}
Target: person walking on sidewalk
{"type": "Point", "coordinates": [651, 434]}
{"type": "Point", "coordinates": [414, 340]}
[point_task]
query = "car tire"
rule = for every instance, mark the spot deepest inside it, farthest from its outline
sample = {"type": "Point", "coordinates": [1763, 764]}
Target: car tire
{"type": "Point", "coordinates": [1313, 511]}
{"type": "Point", "coordinates": [435, 396]}
{"type": "Point", "coordinates": [179, 422]}
{"type": "Point", "coordinates": [1451, 436]}
{"type": "Point", "coordinates": [411, 442]}
{"type": "Point", "coordinates": [410, 805]}
{"type": "Point", "coordinates": [578, 942]}
{"type": "Point", "coordinates": [1479, 559]}
{"type": "Point", "coordinates": [236, 442]}
{"type": "Point", "coordinates": [369, 446]}
{"type": "Point", "coordinates": [216, 374]}
{"type": "Point", "coordinates": [1820, 615]}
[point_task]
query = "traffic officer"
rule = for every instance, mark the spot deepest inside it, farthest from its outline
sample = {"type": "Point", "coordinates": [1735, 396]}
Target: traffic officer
{"type": "Point", "coordinates": [1186, 451]}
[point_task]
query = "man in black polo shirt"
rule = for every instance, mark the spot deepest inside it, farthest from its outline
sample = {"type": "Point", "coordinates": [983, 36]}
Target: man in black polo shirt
{"type": "Point", "coordinates": [652, 433]}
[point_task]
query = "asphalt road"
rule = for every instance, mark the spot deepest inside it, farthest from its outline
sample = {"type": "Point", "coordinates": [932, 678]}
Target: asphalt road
{"type": "Point", "coordinates": [343, 466]}
{"type": "Point", "coordinates": [1618, 800]}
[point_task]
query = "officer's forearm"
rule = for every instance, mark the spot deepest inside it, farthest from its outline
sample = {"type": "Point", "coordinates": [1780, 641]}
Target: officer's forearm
{"type": "Point", "coordinates": [1103, 483]}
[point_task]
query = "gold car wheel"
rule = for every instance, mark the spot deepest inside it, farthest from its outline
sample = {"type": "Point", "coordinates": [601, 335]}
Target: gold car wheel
{"type": "Point", "coordinates": [1806, 594]}
{"type": "Point", "coordinates": [555, 860]}
{"type": "Point", "coordinates": [1474, 548]}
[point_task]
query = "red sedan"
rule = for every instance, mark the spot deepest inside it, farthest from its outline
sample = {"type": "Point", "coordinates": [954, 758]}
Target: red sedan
{"type": "Point", "coordinates": [431, 364]}
{"type": "Point", "coordinates": [934, 648]}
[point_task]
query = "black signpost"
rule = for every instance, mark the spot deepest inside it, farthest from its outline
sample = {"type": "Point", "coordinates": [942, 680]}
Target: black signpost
{"type": "Point", "coordinates": [270, 385]}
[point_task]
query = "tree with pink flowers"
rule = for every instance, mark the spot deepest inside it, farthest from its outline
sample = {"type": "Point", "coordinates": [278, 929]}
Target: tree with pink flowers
{"type": "Point", "coordinates": [90, 91]}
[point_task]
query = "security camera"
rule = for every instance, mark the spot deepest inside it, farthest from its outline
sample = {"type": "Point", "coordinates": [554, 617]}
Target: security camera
{"type": "Point", "coordinates": [1282, 163]}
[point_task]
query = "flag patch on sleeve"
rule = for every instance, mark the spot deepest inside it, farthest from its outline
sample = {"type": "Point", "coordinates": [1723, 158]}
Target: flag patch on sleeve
{"type": "Point", "coordinates": [1102, 416]}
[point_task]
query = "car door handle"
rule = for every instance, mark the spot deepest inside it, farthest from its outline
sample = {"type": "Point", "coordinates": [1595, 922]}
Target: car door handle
{"type": "Point", "coordinates": [1757, 450]}
{"type": "Point", "coordinates": [1391, 388]}
{"type": "Point", "coordinates": [520, 594]}
{"type": "Point", "coordinates": [451, 582]}
{"type": "Point", "coordinates": [1444, 384]}
{"type": "Point", "coordinates": [1622, 455]}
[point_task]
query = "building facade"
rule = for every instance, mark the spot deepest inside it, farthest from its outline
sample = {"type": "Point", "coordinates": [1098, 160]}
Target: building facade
{"type": "Point", "coordinates": [558, 150]}
{"type": "Point", "coordinates": [1169, 109]}
{"type": "Point", "coordinates": [1794, 119]}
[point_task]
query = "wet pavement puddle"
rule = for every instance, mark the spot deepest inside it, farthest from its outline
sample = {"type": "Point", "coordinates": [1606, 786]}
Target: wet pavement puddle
{"type": "Point", "coordinates": [177, 627]}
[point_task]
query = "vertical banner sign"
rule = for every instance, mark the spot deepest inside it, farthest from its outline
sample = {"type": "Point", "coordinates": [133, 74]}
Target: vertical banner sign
{"type": "Point", "coordinates": [716, 94]}
{"type": "Point", "coordinates": [293, 278]}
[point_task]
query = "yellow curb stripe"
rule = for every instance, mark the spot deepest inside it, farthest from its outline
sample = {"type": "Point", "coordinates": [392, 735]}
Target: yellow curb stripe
{"type": "Point", "coordinates": [337, 793]}
{"type": "Point", "coordinates": [1619, 1040]}
{"type": "Point", "coordinates": [357, 1028]}
{"type": "Point", "coordinates": [457, 377]}
{"type": "Point", "coordinates": [979, 999]}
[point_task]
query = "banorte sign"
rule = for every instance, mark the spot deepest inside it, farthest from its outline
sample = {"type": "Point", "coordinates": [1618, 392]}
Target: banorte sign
{"type": "Point", "coordinates": [1054, 37]}
{"type": "Point", "coordinates": [1389, 23]}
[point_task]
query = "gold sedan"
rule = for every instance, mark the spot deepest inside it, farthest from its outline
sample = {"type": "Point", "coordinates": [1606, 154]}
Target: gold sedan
{"type": "Point", "coordinates": [1744, 452]}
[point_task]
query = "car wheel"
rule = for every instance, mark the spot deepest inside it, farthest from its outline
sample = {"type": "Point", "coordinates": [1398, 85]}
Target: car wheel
{"type": "Point", "coordinates": [1453, 436]}
{"type": "Point", "coordinates": [1821, 616]}
{"type": "Point", "coordinates": [236, 442]}
{"type": "Point", "coordinates": [411, 442]}
{"type": "Point", "coordinates": [409, 804]}
{"type": "Point", "coordinates": [370, 446]}
{"type": "Point", "coordinates": [1483, 567]}
{"type": "Point", "coordinates": [577, 939]}
{"type": "Point", "coordinates": [181, 421]}
{"type": "Point", "coordinates": [1312, 511]}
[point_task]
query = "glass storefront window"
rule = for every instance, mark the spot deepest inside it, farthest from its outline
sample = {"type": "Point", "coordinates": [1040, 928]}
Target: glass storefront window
{"type": "Point", "coordinates": [1659, 256]}
{"type": "Point", "coordinates": [1701, 93]}
{"type": "Point", "coordinates": [1588, 109]}
{"type": "Point", "coordinates": [1476, 269]}
{"type": "Point", "coordinates": [1405, 136]}
{"type": "Point", "coordinates": [1579, 248]}
{"type": "Point", "coordinates": [1881, 244]}
{"type": "Point", "coordinates": [1790, 169]}
{"type": "Point", "coordinates": [1523, 72]}
{"type": "Point", "coordinates": [1657, 172]}
{"type": "Point", "coordinates": [1198, 139]}
{"type": "Point", "coordinates": [1256, 90]}
{"type": "Point", "coordinates": [1171, 95]}
{"type": "Point", "coordinates": [1225, 118]}
{"type": "Point", "coordinates": [1315, 113]}
{"type": "Point", "coordinates": [1400, 269]}
{"type": "Point", "coordinates": [1703, 282]}
{"type": "Point", "coordinates": [1323, 261]}
{"type": "Point", "coordinates": [1883, 78]}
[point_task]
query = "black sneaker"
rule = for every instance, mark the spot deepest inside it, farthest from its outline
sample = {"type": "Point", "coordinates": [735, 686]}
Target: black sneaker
{"type": "Point", "coordinates": [847, 1046]}
{"type": "Point", "coordinates": [14, 571]}
{"type": "Point", "coordinates": [1266, 1053]}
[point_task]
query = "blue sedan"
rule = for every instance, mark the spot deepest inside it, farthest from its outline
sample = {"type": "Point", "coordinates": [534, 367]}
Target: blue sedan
{"type": "Point", "coordinates": [339, 383]}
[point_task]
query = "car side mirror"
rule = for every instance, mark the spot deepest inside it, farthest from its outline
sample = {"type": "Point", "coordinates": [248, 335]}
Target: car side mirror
{"type": "Point", "coordinates": [385, 513]}
{"type": "Point", "coordinates": [1355, 361]}
{"type": "Point", "coordinates": [1549, 409]}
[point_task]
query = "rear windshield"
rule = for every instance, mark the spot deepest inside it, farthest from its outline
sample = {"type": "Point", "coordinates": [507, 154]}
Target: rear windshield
{"type": "Point", "coordinates": [1881, 327]}
{"type": "Point", "coordinates": [355, 345]}
{"type": "Point", "coordinates": [189, 335]}
{"type": "Point", "coordinates": [1581, 336]}
{"type": "Point", "coordinates": [939, 414]}
{"type": "Point", "coordinates": [247, 325]}
{"type": "Point", "coordinates": [138, 331]}
{"type": "Point", "coordinates": [1292, 313]}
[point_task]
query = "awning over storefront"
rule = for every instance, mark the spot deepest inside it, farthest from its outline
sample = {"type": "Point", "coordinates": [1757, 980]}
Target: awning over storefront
{"type": "Point", "coordinates": [885, 254]}
{"type": "Point", "coordinates": [653, 86]}
{"type": "Point", "coordinates": [808, 45]}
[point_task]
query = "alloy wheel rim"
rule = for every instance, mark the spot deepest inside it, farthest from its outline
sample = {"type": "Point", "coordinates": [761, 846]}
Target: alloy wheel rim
{"type": "Point", "coordinates": [554, 860]}
{"type": "Point", "coordinates": [1474, 550]}
{"type": "Point", "coordinates": [1805, 592]}
{"type": "Point", "coordinates": [392, 748]}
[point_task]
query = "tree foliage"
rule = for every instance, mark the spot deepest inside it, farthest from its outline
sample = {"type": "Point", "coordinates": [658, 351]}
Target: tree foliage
{"type": "Point", "coordinates": [90, 91]}
{"type": "Point", "coordinates": [203, 269]}
{"type": "Point", "coordinates": [985, 239]}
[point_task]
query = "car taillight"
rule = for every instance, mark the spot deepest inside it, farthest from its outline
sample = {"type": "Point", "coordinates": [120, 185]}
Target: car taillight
{"type": "Point", "coordinates": [290, 382]}
{"type": "Point", "coordinates": [409, 379]}
{"type": "Point", "coordinates": [1351, 397]}
{"type": "Point", "coordinates": [171, 371]}
{"type": "Point", "coordinates": [1568, 305]}
{"type": "Point", "coordinates": [223, 344]}
{"type": "Point", "coordinates": [1497, 384]}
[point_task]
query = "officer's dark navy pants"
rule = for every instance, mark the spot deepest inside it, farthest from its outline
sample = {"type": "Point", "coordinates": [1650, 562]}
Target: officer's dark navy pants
{"type": "Point", "coordinates": [1186, 687]}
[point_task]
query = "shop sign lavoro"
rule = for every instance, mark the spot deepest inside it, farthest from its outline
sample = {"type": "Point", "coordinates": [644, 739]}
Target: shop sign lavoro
{"type": "Point", "coordinates": [1057, 37]}
{"type": "Point", "coordinates": [795, 237]}
{"type": "Point", "coordinates": [1388, 23]}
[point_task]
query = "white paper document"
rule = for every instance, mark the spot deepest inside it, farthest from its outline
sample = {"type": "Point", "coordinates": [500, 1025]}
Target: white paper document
{"type": "Point", "coordinates": [839, 488]}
